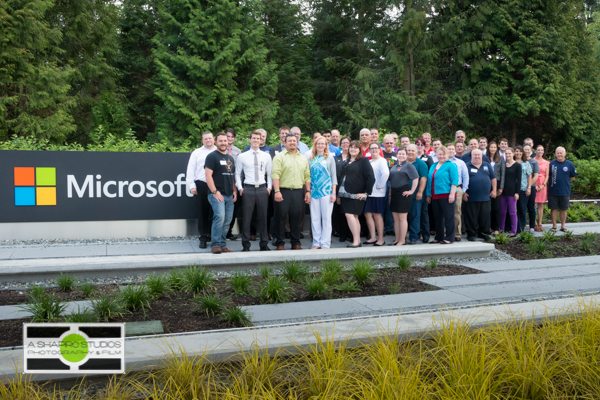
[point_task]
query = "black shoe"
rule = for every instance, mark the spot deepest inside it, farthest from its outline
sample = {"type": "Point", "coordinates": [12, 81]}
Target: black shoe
{"type": "Point", "coordinates": [354, 245]}
{"type": "Point", "coordinates": [202, 244]}
{"type": "Point", "coordinates": [335, 234]}
{"type": "Point", "coordinates": [234, 237]}
{"type": "Point", "coordinates": [471, 238]}
{"type": "Point", "coordinates": [412, 241]}
{"type": "Point", "coordinates": [265, 248]}
{"type": "Point", "coordinates": [426, 240]}
{"type": "Point", "coordinates": [342, 239]}
{"type": "Point", "coordinates": [246, 249]}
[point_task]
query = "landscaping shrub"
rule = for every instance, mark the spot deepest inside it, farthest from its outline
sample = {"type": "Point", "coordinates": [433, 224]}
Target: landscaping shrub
{"type": "Point", "coordinates": [108, 307]}
{"type": "Point", "coordinates": [348, 286]}
{"type": "Point", "coordinates": [293, 270]}
{"type": "Point", "coordinates": [316, 287]}
{"type": "Point", "coordinates": [265, 271]}
{"type": "Point", "coordinates": [136, 296]}
{"type": "Point", "coordinates": [275, 290]}
{"type": "Point", "coordinates": [158, 285]}
{"type": "Point", "coordinates": [236, 316]}
{"type": "Point", "coordinates": [210, 303]}
{"type": "Point", "coordinates": [44, 307]}
{"type": "Point", "coordinates": [537, 246]}
{"type": "Point", "coordinates": [526, 237]}
{"type": "Point", "coordinates": [176, 279]}
{"type": "Point", "coordinates": [588, 177]}
{"type": "Point", "coordinates": [82, 316]}
{"type": "Point", "coordinates": [432, 263]}
{"type": "Point", "coordinates": [501, 238]}
{"type": "Point", "coordinates": [362, 271]}
{"type": "Point", "coordinates": [404, 262]}
{"type": "Point", "coordinates": [240, 282]}
{"type": "Point", "coordinates": [332, 271]}
{"type": "Point", "coordinates": [87, 288]}
{"type": "Point", "coordinates": [197, 279]}
{"type": "Point", "coordinates": [65, 282]}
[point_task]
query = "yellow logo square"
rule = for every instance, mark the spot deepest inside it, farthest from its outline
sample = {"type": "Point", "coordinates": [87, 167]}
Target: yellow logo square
{"type": "Point", "coordinates": [45, 196]}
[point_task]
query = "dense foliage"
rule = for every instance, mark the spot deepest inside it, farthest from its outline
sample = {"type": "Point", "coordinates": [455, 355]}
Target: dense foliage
{"type": "Point", "coordinates": [84, 72]}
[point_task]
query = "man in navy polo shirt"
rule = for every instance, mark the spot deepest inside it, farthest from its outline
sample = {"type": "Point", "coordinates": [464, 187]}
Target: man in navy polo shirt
{"type": "Point", "coordinates": [477, 204]}
{"type": "Point", "coordinates": [561, 172]}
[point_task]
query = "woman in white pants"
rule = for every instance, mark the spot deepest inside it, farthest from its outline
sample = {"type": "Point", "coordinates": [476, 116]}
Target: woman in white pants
{"type": "Point", "coordinates": [323, 182]}
{"type": "Point", "coordinates": [375, 206]}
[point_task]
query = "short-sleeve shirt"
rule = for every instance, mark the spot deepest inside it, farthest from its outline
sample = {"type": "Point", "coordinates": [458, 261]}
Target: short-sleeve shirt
{"type": "Point", "coordinates": [427, 160]}
{"type": "Point", "coordinates": [480, 181]}
{"type": "Point", "coordinates": [402, 175]}
{"type": "Point", "coordinates": [422, 170]}
{"type": "Point", "coordinates": [526, 172]}
{"type": "Point", "coordinates": [390, 158]}
{"type": "Point", "coordinates": [559, 180]}
{"type": "Point", "coordinates": [535, 166]}
{"type": "Point", "coordinates": [223, 168]}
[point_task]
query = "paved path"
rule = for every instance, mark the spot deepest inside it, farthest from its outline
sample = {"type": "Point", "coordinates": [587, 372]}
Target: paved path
{"type": "Point", "coordinates": [16, 312]}
{"type": "Point", "coordinates": [507, 281]}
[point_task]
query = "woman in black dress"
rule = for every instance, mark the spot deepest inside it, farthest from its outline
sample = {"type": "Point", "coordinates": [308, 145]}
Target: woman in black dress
{"type": "Point", "coordinates": [338, 219]}
{"type": "Point", "coordinates": [404, 180]}
{"type": "Point", "coordinates": [357, 180]}
{"type": "Point", "coordinates": [510, 195]}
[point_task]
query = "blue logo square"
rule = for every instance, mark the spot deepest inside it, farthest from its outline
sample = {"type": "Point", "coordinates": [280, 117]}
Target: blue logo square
{"type": "Point", "coordinates": [24, 196]}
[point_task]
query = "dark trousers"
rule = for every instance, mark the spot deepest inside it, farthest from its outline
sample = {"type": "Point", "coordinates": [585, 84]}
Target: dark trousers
{"type": "Point", "coordinates": [255, 198]}
{"type": "Point", "coordinates": [477, 217]}
{"type": "Point", "coordinates": [339, 222]}
{"type": "Point", "coordinates": [531, 208]}
{"type": "Point", "coordinates": [425, 228]}
{"type": "Point", "coordinates": [495, 213]}
{"type": "Point", "coordinates": [291, 206]}
{"type": "Point", "coordinates": [237, 214]}
{"type": "Point", "coordinates": [522, 211]}
{"type": "Point", "coordinates": [205, 211]}
{"type": "Point", "coordinates": [443, 215]}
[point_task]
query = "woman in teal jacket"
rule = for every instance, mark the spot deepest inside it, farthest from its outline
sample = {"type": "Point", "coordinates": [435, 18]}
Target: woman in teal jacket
{"type": "Point", "coordinates": [441, 193]}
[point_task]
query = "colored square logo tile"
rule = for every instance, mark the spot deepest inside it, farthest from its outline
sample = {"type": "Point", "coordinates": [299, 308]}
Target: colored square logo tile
{"type": "Point", "coordinates": [24, 176]}
{"type": "Point", "coordinates": [45, 196]}
{"type": "Point", "coordinates": [25, 196]}
{"type": "Point", "coordinates": [45, 176]}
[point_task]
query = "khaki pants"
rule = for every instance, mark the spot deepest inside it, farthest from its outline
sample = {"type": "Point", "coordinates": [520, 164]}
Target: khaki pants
{"type": "Point", "coordinates": [458, 212]}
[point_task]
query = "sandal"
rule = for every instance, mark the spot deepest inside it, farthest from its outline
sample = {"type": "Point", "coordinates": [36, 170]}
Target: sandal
{"type": "Point", "coordinates": [564, 230]}
{"type": "Point", "coordinates": [434, 242]}
{"type": "Point", "coordinates": [445, 242]}
{"type": "Point", "coordinates": [553, 229]}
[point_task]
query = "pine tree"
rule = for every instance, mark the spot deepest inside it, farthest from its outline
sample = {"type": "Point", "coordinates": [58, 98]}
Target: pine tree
{"type": "Point", "coordinates": [90, 46]}
{"type": "Point", "coordinates": [138, 24]}
{"type": "Point", "coordinates": [212, 69]}
{"type": "Point", "coordinates": [33, 86]}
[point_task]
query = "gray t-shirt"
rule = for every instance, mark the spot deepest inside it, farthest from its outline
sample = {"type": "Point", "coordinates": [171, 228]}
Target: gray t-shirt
{"type": "Point", "coordinates": [535, 167]}
{"type": "Point", "coordinates": [402, 175]}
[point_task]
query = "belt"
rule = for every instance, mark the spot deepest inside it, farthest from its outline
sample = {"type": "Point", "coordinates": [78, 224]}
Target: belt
{"type": "Point", "coordinates": [460, 186]}
{"type": "Point", "coordinates": [290, 188]}
{"type": "Point", "coordinates": [254, 186]}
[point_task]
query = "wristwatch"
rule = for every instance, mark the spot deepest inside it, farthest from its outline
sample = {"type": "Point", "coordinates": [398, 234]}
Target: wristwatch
{"type": "Point", "coordinates": [214, 192]}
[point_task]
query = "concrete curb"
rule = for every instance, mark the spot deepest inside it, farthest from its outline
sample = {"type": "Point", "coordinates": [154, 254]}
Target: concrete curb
{"type": "Point", "coordinates": [36, 269]}
{"type": "Point", "coordinates": [216, 346]}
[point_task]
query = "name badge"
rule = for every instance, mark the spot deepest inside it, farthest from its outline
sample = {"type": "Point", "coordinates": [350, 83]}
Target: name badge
{"type": "Point", "coordinates": [276, 152]}
{"type": "Point", "coordinates": [223, 162]}
{"type": "Point", "coordinates": [367, 154]}
{"type": "Point", "coordinates": [394, 158]}
{"type": "Point", "coordinates": [474, 170]}
{"type": "Point", "coordinates": [485, 168]}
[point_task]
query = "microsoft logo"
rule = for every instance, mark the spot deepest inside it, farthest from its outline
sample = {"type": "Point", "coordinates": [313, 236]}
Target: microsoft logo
{"type": "Point", "coordinates": [35, 186]}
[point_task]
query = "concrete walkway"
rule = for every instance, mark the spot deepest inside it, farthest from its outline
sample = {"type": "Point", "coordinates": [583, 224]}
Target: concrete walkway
{"type": "Point", "coordinates": [508, 281]}
{"type": "Point", "coordinates": [16, 312]}
{"type": "Point", "coordinates": [32, 269]}
{"type": "Point", "coordinates": [216, 346]}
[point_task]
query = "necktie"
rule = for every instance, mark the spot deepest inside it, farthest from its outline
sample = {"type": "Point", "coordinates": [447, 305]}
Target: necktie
{"type": "Point", "coordinates": [230, 152]}
{"type": "Point", "coordinates": [255, 168]}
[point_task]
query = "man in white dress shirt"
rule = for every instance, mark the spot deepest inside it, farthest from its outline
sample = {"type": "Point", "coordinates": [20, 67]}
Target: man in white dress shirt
{"type": "Point", "coordinates": [254, 190]}
{"type": "Point", "coordinates": [195, 178]}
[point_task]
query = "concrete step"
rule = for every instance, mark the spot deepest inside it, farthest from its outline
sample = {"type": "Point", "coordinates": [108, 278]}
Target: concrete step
{"type": "Point", "coordinates": [572, 262]}
{"type": "Point", "coordinates": [27, 270]}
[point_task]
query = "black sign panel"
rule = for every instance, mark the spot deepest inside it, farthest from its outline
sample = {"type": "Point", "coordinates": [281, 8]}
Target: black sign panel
{"type": "Point", "coordinates": [45, 186]}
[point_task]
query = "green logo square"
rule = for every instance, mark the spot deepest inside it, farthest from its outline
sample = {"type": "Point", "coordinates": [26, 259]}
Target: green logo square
{"type": "Point", "coordinates": [45, 176]}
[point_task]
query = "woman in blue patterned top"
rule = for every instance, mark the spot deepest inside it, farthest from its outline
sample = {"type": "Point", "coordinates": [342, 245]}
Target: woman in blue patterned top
{"type": "Point", "coordinates": [525, 189]}
{"type": "Point", "coordinates": [323, 181]}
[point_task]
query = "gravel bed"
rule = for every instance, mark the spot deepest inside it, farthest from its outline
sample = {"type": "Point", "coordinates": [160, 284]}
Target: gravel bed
{"type": "Point", "coordinates": [45, 242]}
{"type": "Point", "coordinates": [496, 255]}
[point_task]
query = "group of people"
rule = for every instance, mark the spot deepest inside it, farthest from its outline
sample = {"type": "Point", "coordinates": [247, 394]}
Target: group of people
{"type": "Point", "coordinates": [412, 191]}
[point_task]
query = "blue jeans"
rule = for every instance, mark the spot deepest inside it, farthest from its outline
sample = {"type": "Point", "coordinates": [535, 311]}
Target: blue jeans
{"type": "Point", "coordinates": [222, 215]}
{"type": "Point", "coordinates": [425, 219]}
{"type": "Point", "coordinates": [414, 218]}
{"type": "Point", "coordinates": [388, 218]}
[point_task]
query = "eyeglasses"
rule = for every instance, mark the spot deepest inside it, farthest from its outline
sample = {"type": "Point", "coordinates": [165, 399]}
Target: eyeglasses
{"type": "Point", "coordinates": [420, 144]}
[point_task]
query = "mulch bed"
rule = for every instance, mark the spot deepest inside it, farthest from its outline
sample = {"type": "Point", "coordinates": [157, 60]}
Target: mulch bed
{"type": "Point", "coordinates": [558, 249]}
{"type": "Point", "coordinates": [179, 311]}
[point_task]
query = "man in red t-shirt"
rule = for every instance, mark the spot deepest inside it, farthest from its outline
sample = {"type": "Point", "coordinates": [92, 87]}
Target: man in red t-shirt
{"type": "Point", "coordinates": [427, 138]}
{"type": "Point", "coordinates": [365, 141]}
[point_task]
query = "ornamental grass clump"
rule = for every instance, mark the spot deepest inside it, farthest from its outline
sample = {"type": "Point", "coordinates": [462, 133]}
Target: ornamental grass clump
{"type": "Point", "coordinates": [197, 279]}
{"type": "Point", "coordinates": [362, 271]}
{"type": "Point", "coordinates": [275, 290]}
{"type": "Point", "coordinates": [294, 271]}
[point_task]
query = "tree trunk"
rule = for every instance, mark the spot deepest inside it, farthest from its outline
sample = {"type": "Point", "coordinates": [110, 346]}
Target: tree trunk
{"type": "Point", "coordinates": [513, 139]}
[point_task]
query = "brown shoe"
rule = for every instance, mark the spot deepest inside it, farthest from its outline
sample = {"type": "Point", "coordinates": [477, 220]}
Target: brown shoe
{"type": "Point", "coordinates": [216, 250]}
{"type": "Point", "coordinates": [296, 247]}
{"type": "Point", "coordinates": [226, 250]}
{"type": "Point", "coordinates": [457, 238]}
{"type": "Point", "coordinates": [253, 238]}
{"type": "Point", "coordinates": [280, 248]}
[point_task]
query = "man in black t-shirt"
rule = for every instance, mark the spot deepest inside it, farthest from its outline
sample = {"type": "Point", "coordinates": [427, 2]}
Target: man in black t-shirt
{"type": "Point", "coordinates": [220, 178]}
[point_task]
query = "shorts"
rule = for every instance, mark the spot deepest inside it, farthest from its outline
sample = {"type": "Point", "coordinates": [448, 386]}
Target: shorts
{"type": "Point", "coordinates": [558, 202]}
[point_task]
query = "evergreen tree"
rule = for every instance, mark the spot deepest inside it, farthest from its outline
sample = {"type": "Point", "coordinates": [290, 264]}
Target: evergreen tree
{"type": "Point", "coordinates": [90, 46]}
{"type": "Point", "coordinates": [33, 88]}
{"type": "Point", "coordinates": [138, 24]}
{"type": "Point", "coordinates": [212, 69]}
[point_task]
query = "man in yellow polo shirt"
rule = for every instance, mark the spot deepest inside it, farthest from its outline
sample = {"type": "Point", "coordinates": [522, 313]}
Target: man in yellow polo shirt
{"type": "Point", "coordinates": [290, 174]}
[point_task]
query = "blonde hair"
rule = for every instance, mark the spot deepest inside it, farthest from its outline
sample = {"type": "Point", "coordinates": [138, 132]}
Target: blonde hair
{"type": "Point", "coordinates": [314, 149]}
